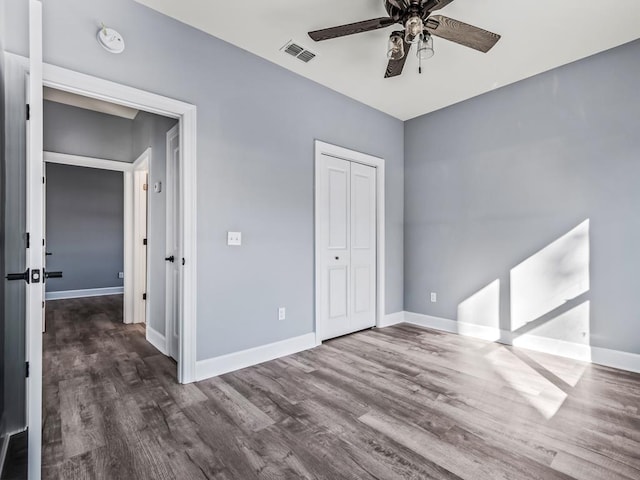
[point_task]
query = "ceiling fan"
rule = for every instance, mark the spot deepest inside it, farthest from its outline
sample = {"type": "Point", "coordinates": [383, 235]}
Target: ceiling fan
{"type": "Point", "coordinates": [419, 26]}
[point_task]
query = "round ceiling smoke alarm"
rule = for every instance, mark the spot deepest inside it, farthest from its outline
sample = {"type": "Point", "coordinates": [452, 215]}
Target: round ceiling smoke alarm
{"type": "Point", "coordinates": [110, 40]}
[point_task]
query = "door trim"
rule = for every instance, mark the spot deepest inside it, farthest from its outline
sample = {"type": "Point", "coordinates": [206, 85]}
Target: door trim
{"type": "Point", "coordinates": [127, 170]}
{"type": "Point", "coordinates": [94, 87]}
{"type": "Point", "coordinates": [327, 149]}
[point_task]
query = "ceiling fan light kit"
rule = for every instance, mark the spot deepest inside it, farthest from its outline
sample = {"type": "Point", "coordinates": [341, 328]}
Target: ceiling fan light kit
{"type": "Point", "coordinates": [396, 46]}
{"type": "Point", "coordinates": [425, 47]}
{"type": "Point", "coordinates": [413, 29]}
{"type": "Point", "coordinates": [419, 27]}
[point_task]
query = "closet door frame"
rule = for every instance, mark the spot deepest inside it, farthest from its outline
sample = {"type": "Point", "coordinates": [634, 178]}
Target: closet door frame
{"type": "Point", "coordinates": [326, 149]}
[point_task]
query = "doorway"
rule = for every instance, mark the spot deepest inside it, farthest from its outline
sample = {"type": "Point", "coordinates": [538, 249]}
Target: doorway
{"type": "Point", "coordinates": [185, 114]}
{"type": "Point", "coordinates": [349, 241]}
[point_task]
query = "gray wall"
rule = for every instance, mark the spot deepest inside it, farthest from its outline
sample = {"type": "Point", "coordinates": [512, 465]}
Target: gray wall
{"type": "Point", "coordinates": [256, 127]}
{"type": "Point", "coordinates": [76, 131]}
{"type": "Point", "coordinates": [85, 230]}
{"type": "Point", "coordinates": [150, 131]}
{"type": "Point", "coordinates": [494, 180]}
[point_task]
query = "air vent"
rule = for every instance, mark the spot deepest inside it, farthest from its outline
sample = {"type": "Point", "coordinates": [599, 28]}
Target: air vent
{"type": "Point", "coordinates": [293, 49]}
{"type": "Point", "coordinates": [298, 51]}
{"type": "Point", "coordinates": [306, 56]}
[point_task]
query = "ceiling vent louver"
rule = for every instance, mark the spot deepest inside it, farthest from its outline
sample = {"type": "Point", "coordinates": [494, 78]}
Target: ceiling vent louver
{"type": "Point", "coordinates": [298, 51]}
{"type": "Point", "coordinates": [306, 56]}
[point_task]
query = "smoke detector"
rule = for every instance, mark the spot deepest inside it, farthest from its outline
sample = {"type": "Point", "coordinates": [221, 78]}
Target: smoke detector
{"type": "Point", "coordinates": [110, 40]}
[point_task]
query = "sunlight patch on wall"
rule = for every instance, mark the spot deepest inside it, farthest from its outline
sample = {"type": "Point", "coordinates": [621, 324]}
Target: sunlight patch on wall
{"type": "Point", "coordinates": [481, 308]}
{"type": "Point", "coordinates": [565, 334]}
{"type": "Point", "coordinates": [571, 326]}
{"type": "Point", "coordinates": [551, 277]}
{"type": "Point", "coordinates": [539, 392]}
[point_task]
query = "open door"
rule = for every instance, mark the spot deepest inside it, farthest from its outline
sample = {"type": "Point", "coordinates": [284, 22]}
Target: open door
{"type": "Point", "coordinates": [173, 245]}
{"type": "Point", "coordinates": [35, 250]}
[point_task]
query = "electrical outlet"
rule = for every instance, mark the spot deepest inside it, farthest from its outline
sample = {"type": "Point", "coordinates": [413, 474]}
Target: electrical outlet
{"type": "Point", "coordinates": [234, 239]}
{"type": "Point", "coordinates": [434, 297]}
{"type": "Point", "coordinates": [282, 313]}
{"type": "Point", "coordinates": [120, 274]}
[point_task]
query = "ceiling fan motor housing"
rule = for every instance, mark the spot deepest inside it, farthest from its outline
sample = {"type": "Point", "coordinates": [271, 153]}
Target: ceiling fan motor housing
{"type": "Point", "coordinates": [402, 10]}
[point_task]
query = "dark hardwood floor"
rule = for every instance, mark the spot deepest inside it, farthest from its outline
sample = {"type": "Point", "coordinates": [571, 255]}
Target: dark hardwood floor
{"type": "Point", "coordinates": [394, 403]}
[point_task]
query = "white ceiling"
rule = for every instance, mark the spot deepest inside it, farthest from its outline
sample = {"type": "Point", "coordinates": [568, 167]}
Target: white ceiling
{"type": "Point", "coordinates": [537, 35]}
{"type": "Point", "coordinates": [68, 98]}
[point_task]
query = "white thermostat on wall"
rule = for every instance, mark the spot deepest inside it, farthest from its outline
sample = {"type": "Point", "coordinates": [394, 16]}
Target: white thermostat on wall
{"type": "Point", "coordinates": [234, 239]}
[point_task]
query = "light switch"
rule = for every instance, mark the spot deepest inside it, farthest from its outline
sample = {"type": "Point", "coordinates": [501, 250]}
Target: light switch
{"type": "Point", "coordinates": [234, 238]}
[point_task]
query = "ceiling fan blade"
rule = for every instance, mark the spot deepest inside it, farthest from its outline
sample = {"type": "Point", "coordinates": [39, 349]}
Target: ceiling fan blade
{"type": "Point", "coordinates": [394, 68]}
{"type": "Point", "coordinates": [351, 28]}
{"type": "Point", "coordinates": [433, 5]}
{"type": "Point", "coordinates": [462, 33]}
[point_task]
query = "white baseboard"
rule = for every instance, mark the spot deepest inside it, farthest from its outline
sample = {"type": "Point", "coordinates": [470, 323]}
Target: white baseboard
{"type": "Point", "coordinates": [391, 319]}
{"type": "Point", "coordinates": [156, 339]}
{"type": "Point", "coordinates": [87, 292]}
{"type": "Point", "coordinates": [577, 351]}
{"type": "Point", "coordinates": [213, 367]}
{"type": "Point", "coordinates": [616, 359]}
{"type": "Point", "coordinates": [467, 329]}
{"type": "Point", "coordinates": [601, 356]}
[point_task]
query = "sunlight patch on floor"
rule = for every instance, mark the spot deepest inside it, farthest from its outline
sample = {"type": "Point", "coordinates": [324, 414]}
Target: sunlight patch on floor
{"type": "Point", "coordinates": [539, 392]}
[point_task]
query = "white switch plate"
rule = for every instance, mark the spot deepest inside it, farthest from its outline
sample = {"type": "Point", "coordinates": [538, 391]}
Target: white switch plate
{"type": "Point", "coordinates": [234, 238]}
{"type": "Point", "coordinates": [434, 297]}
{"type": "Point", "coordinates": [282, 313]}
{"type": "Point", "coordinates": [120, 274]}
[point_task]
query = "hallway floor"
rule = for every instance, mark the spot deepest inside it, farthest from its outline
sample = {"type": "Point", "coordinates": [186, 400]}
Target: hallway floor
{"type": "Point", "coordinates": [393, 403]}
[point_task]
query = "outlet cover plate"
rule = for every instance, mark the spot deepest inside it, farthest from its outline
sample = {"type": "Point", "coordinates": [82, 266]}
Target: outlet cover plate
{"type": "Point", "coordinates": [234, 239]}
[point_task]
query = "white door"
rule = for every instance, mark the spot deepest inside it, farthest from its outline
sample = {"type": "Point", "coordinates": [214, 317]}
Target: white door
{"type": "Point", "coordinates": [35, 252]}
{"type": "Point", "coordinates": [174, 246]}
{"type": "Point", "coordinates": [347, 235]}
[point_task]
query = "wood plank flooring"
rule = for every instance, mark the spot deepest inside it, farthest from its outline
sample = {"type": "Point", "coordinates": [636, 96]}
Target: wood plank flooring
{"type": "Point", "coordinates": [395, 403]}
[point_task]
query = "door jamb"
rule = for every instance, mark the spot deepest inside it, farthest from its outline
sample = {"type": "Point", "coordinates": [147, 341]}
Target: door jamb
{"type": "Point", "coordinates": [327, 149]}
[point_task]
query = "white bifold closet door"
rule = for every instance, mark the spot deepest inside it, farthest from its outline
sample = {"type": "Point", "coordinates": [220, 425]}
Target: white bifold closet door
{"type": "Point", "coordinates": [347, 211]}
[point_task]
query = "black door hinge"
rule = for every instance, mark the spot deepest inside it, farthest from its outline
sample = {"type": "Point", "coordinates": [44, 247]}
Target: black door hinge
{"type": "Point", "coordinates": [28, 112]}
{"type": "Point", "coordinates": [27, 237]}
{"type": "Point", "coordinates": [26, 368]}
{"type": "Point", "coordinates": [144, 241]}
{"type": "Point", "coordinates": [144, 296]}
